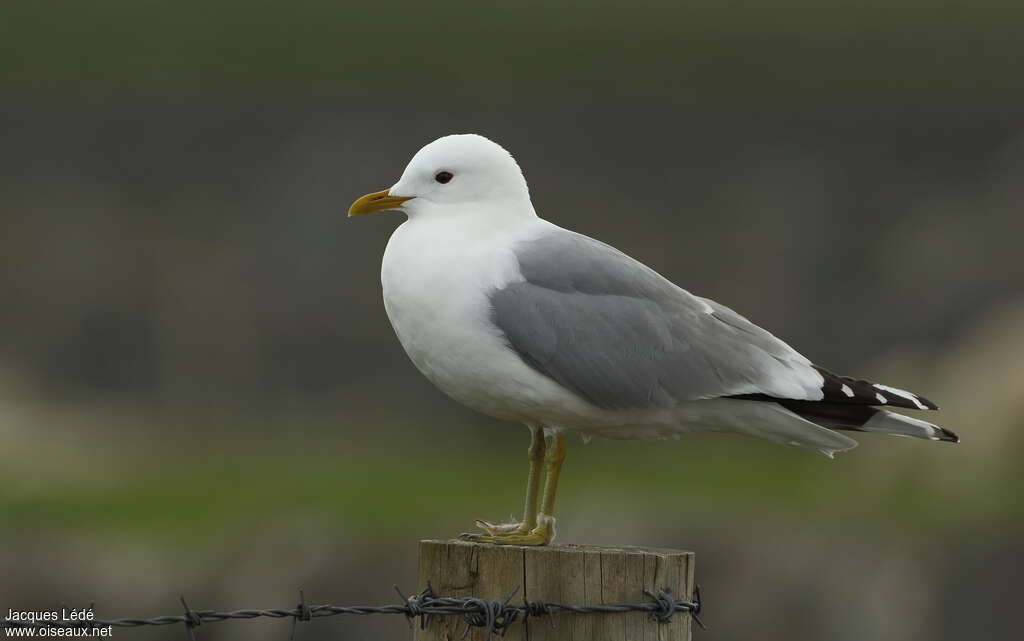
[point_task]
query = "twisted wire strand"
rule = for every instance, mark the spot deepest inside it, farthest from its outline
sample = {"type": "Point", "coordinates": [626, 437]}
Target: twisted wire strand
{"type": "Point", "coordinates": [492, 615]}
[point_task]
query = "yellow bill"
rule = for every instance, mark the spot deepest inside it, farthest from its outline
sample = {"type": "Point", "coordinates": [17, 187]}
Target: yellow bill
{"type": "Point", "coordinates": [377, 201]}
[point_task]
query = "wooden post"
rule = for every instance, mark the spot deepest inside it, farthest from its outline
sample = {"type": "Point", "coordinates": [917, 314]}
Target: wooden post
{"type": "Point", "coordinates": [570, 574]}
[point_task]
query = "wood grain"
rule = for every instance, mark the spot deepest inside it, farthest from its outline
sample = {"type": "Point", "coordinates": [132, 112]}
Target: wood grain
{"type": "Point", "coordinates": [573, 574]}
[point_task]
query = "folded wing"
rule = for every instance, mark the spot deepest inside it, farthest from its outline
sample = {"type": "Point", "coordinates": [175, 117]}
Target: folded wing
{"type": "Point", "coordinates": [623, 337]}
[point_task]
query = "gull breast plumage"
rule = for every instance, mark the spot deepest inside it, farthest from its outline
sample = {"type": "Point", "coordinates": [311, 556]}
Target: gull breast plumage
{"type": "Point", "coordinates": [437, 277]}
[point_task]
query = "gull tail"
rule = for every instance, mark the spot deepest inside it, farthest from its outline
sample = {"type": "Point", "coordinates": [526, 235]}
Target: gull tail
{"type": "Point", "coordinates": [861, 418]}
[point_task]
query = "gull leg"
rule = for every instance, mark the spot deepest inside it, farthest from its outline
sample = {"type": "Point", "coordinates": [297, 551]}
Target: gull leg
{"type": "Point", "coordinates": [535, 456]}
{"type": "Point", "coordinates": [536, 528]}
{"type": "Point", "coordinates": [555, 458]}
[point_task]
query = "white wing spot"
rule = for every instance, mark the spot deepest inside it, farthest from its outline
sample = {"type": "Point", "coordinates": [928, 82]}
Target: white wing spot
{"type": "Point", "coordinates": [881, 399]}
{"type": "Point", "coordinates": [905, 394]}
{"type": "Point", "coordinates": [846, 390]}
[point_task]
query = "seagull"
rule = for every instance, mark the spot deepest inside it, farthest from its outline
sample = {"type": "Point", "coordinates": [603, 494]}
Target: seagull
{"type": "Point", "coordinates": [525, 321]}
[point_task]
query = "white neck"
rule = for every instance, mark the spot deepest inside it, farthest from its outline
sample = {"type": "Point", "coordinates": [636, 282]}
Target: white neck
{"type": "Point", "coordinates": [473, 216]}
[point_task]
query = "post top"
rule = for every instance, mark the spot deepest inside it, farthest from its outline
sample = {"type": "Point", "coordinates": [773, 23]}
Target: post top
{"type": "Point", "coordinates": [567, 548]}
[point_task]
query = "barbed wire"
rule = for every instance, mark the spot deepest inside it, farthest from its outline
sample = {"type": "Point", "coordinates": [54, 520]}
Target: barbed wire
{"type": "Point", "coordinates": [494, 616]}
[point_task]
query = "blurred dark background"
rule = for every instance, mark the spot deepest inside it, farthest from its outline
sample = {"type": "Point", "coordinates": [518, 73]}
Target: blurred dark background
{"type": "Point", "coordinates": [200, 392]}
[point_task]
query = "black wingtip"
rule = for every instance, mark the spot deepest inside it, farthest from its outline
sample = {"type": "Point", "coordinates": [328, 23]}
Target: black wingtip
{"type": "Point", "coordinates": [948, 436]}
{"type": "Point", "coordinates": [856, 391]}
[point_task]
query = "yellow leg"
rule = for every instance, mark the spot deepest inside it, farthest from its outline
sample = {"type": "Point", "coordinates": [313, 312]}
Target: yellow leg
{"type": "Point", "coordinates": [554, 460]}
{"type": "Point", "coordinates": [536, 529]}
{"type": "Point", "coordinates": [536, 457]}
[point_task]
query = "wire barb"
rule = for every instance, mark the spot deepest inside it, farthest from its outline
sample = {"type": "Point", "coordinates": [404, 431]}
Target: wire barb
{"type": "Point", "coordinates": [192, 619]}
{"type": "Point", "coordinates": [695, 612]}
{"type": "Point", "coordinates": [302, 613]}
{"type": "Point", "coordinates": [666, 606]}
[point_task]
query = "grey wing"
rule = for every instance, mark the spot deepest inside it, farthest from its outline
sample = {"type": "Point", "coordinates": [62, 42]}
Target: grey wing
{"type": "Point", "coordinates": [621, 336]}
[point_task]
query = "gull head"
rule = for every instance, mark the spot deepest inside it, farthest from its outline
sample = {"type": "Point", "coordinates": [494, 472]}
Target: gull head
{"type": "Point", "coordinates": [457, 173]}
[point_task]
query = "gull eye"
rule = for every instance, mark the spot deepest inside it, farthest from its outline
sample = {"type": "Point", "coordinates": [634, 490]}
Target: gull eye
{"type": "Point", "coordinates": [443, 177]}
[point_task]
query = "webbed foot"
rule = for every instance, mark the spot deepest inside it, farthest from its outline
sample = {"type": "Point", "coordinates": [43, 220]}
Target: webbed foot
{"type": "Point", "coordinates": [514, 533]}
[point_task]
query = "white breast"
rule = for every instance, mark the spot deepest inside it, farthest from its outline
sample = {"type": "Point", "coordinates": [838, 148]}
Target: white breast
{"type": "Point", "coordinates": [436, 276]}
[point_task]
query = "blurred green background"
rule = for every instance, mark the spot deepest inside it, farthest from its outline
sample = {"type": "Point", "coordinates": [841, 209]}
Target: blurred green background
{"type": "Point", "coordinates": [200, 393]}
